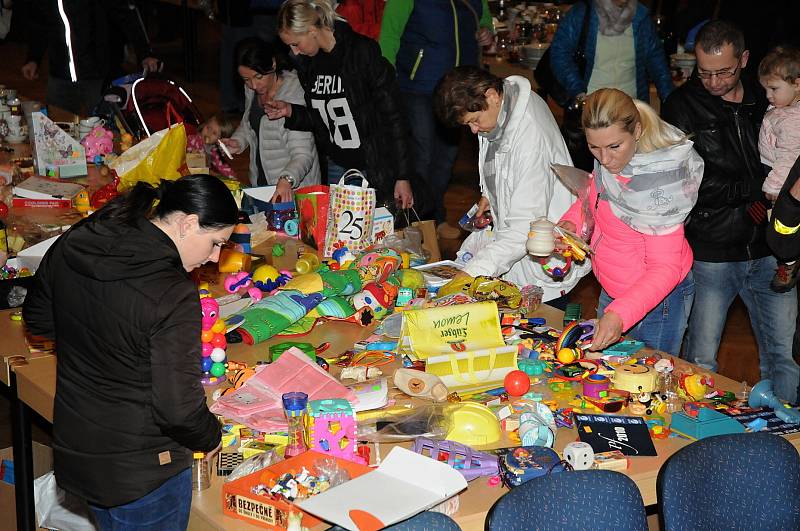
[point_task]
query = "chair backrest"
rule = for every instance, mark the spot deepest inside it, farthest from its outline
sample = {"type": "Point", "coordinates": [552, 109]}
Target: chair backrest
{"type": "Point", "coordinates": [743, 481]}
{"type": "Point", "coordinates": [424, 521]}
{"type": "Point", "coordinates": [584, 499]}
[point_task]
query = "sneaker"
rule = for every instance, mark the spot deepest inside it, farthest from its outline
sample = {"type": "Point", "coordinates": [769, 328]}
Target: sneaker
{"type": "Point", "coordinates": [785, 277]}
{"type": "Point", "coordinates": [447, 231]}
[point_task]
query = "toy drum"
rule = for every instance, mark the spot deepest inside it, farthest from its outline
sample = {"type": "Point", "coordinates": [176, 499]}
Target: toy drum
{"type": "Point", "coordinates": [596, 386]}
{"type": "Point", "coordinates": [635, 378]}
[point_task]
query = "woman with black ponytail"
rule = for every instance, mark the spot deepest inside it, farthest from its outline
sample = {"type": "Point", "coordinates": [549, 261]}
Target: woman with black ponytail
{"type": "Point", "coordinates": [115, 294]}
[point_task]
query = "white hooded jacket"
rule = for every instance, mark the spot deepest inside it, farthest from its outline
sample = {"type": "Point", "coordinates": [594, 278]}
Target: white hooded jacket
{"type": "Point", "coordinates": [526, 189]}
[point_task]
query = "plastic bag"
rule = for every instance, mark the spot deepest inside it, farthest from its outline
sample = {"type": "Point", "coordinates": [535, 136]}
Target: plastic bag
{"type": "Point", "coordinates": [155, 158]}
{"type": "Point", "coordinates": [58, 509]}
{"type": "Point", "coordinates": [253, 464]}
{"type": "Point", "coordinates": [401, 424]}
{"type": "Point", "coordinates": [408, 240]}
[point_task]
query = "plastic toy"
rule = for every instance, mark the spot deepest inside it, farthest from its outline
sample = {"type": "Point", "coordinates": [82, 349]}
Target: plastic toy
{"type": "Point", "coordinates": [762, 396]}
{"type": "Point", "coordinates": [243, 281]}
{"type": "Point", "coordinates": [241, 237]}
{"type": "Point", "coordinates": [473, 424]}
{"type": "Point", "coordinates": [531, 367]}
{"type": "Point", "coordinates": [294, 406]}
{"type": "Point", "coordinates": [537, 427]}
{"type": "Point", "coordinates": [693, 386]}
{"type": "Point", "coordinates": [470, 463]}
{"type": "Point", "coordinates": [708, 422]}
{"type": "Point", "coordinates": [307, 263]}
{"type": "Point", "coordinates": [380, 298]}
{"type": "Point", "coordinates": [99, 141]}
{"type": "Point", "coordinates": [105, 193]}
{"type": "Point", "coordinates": [82, 203]}
{"type": "Point", "coordinates": [635, 378]}
{"type": "Point", "coordinates": [268, 279]}
{"type": "Point", "coordinates": [568, 355]}
{"type": "Point", "coordinates": [331, 428]}
{"type": "Point", "coordinates": [579, 454]}
{"type": "Point", "coordinates": [596, 386]}
{"type": "Point", "coordinates": [213, 343]}
{"type": "Point", "coordinates": [574, 335]}
{"type": "Point", "coordinates": [517, 383]}
{"type": "Point", "coordinates": [420, 384]}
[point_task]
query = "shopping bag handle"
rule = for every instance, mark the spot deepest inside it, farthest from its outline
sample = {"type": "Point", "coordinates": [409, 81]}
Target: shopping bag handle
{"type": "Point", "coordinates": [408, 220]}
{"type": "Point", "coordinates": [353, 172]}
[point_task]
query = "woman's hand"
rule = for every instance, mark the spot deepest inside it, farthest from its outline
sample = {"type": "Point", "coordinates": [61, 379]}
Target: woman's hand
{"type": "Point", "coordinates": [233, 145]}
{"type": "Point", "coordinates": [277, 109]}
{"type": "Point", "coordinates": [403, 195]}
{"type": "Point", "coordinates": [607, 332]}
{"type": "Point", "coordinates": [283, 192]}
{"type": "Point", "coordinates": [483, 206]}
{"type": "Point", "coordinates": [568, 226]}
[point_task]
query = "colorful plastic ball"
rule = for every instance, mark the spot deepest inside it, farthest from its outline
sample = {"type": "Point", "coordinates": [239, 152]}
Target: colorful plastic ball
{"type": "Point", "coordinates": [206, 364]}
{"type": "Point", "coordinates": [206, 336]}
{"type": "Point", "coordinates": [207, 348]}
{"type": "Point", "coordinates": [219, 341]}
{"type": "Point", "coordinates": [218, 355]}
{"type": "Point", "coordinates": [568, 355]}
{"type": "Point", "coordinates": [217, 369]}
{"type": "Point", "coordinates": [517, 383]}
{"type": "Point", "coordinates": [219, 326]}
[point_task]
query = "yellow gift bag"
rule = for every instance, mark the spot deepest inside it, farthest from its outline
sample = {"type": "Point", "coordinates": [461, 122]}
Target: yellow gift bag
{"type": "Point", "coordinates": [474, 370]}
{"type": "Point", "coordinates": [155, 158]}
{"type": "Point", "coordinates": [446, 329]}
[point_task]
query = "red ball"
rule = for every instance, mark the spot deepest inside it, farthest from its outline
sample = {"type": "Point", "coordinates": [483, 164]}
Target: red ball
{"type": "Point", "coordinates": [517, 383]}
{"type": "Point", "coordinates": [3, 210]}
{"type": "Point", "coordinates": [219, 341]}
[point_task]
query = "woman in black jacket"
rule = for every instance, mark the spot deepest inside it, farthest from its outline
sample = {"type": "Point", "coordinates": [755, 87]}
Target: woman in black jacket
{"type": "Point", "coordinates": [352, 99]}
{"type": "Point", "coordinates": [115, 294]}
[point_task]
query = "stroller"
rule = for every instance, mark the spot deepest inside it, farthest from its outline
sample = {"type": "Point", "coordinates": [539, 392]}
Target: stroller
{"type": "Point", "coordinates": [144, 105]}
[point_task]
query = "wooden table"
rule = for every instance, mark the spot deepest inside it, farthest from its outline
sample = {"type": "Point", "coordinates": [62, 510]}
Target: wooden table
{"type": "Point", "coordinates": [35, 383]}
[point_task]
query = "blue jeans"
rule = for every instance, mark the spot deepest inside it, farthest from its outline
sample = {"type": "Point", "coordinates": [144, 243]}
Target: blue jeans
{"type": "Point", "coordinates": [663, 326]}
{"type": "Point", "coordinates": [772, 316]}
{"type": "Point", "coordinates": [165, 509]}
{"type": "Point", "coordinates": [435, 148]}
{"type": "Point", "coordinates": [335, 173]}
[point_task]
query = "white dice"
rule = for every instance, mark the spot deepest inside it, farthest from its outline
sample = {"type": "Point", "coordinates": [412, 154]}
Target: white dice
{"type": "Point", "coordinates": [580, 455]}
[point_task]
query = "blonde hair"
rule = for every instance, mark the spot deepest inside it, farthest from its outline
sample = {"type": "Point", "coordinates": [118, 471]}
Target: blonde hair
{"type": "Point", "coordinates": [227, 123]}
{"type": "Point", "coordinates": [781, 62]}
{"type": "Point", "coordinates": [299, 16]}
{"type": "Point", "coordinates": [608, 106]}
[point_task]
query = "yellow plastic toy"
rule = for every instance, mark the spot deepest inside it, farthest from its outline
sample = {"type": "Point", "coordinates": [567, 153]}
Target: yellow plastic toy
{"type": "Point", "coordinates": [473, 424]}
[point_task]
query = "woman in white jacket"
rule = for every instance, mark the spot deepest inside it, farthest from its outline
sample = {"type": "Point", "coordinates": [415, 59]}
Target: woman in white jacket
{"type": "Point", "coordinates": [278, 156]}
{"type": "Point", "coordinates": [519, 140]}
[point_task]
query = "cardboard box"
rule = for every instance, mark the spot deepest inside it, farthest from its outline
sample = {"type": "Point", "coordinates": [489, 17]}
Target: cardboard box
{"type": "Point", "coordinates": [42, 463]}
{"type": "Point", "coordinates": [406, 483]}
{"type": "Point", "coordinates": [238, 500]}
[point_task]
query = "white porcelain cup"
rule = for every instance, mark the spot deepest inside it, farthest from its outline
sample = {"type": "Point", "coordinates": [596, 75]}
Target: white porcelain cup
{"type": "Point", "coordinates": [86, 125]}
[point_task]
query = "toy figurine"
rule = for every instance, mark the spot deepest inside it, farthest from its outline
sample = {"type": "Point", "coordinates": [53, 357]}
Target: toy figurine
{"type": "Point", "coordinates": [82, 204]}
{"type": "Point", "coordinates": [99, 142]}
{"type": "Point", "coordinates": [243, 281]}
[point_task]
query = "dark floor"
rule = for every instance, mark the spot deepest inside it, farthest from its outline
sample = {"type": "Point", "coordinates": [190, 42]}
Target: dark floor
{"type": "Point", "coordinates": [737, 357]}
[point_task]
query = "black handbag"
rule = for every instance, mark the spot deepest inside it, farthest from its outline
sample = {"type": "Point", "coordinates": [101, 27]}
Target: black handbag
{"type": "Point", "coordinates": [543, 73]}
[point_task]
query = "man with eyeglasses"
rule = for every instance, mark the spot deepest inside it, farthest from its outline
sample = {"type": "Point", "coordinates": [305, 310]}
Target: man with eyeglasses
{"type": "Point", "coordinates": [722, 108]}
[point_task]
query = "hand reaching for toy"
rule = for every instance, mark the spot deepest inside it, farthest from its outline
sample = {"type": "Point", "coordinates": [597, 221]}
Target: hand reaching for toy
{"type": "Point", "coordinates": [403, 195]}
{"type": "Point", "coordinates": [233, 145]}
{"type": "Point", "coordinates": [568, 226]}
{"type": "Point", "coordinates": [277, 109]}
{"type": "Point", "coordinates": [283, 192]}
{"type": "Point", "coordinates": [607, 332]}
{"type": "Point", "coordinates": [483, 206]}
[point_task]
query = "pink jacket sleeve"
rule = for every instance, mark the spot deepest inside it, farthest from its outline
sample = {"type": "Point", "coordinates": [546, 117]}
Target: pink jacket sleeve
{"type": "Point", "coordinates": [785, 133]}
{"type": "Point", "coordinates": [664, 257]}
{"type": "Point", "coordinates": [575, 212]}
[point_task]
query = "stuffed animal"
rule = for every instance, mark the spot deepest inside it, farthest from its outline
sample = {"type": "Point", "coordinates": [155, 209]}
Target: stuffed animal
{"type": "Point", "coordinates": [99, 141]}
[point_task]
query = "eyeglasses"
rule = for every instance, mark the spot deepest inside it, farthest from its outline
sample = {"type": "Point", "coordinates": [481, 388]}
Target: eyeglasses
{"type": "Point", "coordinates": [719, 74]}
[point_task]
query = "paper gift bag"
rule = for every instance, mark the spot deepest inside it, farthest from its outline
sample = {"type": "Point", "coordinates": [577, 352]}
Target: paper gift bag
{"type": "Point", "coordinates": [312, 208]}
{"type": "Point", "coordinates": [474, 370]}
{"type": "Point", "coordinates": [430, 241]}
{"type": "Point", "coordinates": [457, 328]}
{"type": "Point", "coordinates": [350, 215]}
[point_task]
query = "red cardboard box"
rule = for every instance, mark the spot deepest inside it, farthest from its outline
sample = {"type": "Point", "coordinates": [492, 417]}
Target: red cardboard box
{"type": "Point", "coordinates": [239, 501]}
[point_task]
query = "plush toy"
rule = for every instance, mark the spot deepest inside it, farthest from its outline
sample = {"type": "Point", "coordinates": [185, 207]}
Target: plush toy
{"type": "Point", "coordinates": [271, 315]}
{"type": "Point", "coordinates": [99, 141]}
{"type": "Point", "coordinates": [380, 298]}
{"type": "Point", "coordinates": [377, 265]}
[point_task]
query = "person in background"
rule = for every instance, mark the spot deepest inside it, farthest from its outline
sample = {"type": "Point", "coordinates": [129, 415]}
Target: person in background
{"type": "Point", "coordinates": [74, 33]}
{"type": "Point", "coordinates": [216, 128]}
{"type": "Point", "coordinates": [723, 108]}
{"type": "Point", "coordinates": [352, 101]}
{"type": "Point", "coordinates": [518, 141]}
{"type": "Point", "coordinates": [129, 407]}
{"type": "Point", "coordinates": [364, 16]}
{"type": "Point", "coordinates": [644, 185]}
{"type": "Point", "coordinates": [280, 157]}
{"type": "Point", "coordinates": [779, 139]}
{"type": "Point", "coordinates": [424, 40]}
{"type": "Point", "coordinates": [622, 50]}
{"type": "Point", "coordinates": [783, 234]}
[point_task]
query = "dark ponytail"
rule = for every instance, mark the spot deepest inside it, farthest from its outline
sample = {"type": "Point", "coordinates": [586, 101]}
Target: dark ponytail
{"type": "Point", "coordinates": [258, 55]}
{"type": "Point", "coordinates": [203, 195]}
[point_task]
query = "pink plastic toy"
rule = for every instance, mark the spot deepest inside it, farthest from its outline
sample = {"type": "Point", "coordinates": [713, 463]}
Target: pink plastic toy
{"type": "Point", "coordinates": [331, 429]}
{"type": "Point", "coordinates": [243, 280]}
{"type": "Point", "coordinates": [213, 343]}
{"type": "Point", "coordinates": [99, 141]}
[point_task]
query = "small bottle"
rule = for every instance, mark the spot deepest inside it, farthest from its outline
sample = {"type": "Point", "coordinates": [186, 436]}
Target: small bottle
{"type": "Point", "coordinates": [201, 476]}
{"type": "Point", "coordinates": [294, 406]}
{"type": "Point", "coordinates": [307, 263]}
